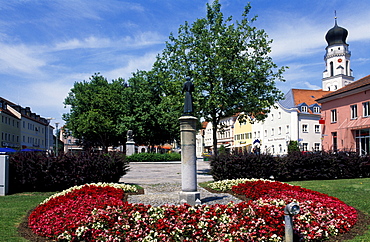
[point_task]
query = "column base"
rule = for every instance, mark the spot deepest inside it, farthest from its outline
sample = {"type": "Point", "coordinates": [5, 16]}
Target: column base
{"type": "Point", "coordinates": [191, 198]}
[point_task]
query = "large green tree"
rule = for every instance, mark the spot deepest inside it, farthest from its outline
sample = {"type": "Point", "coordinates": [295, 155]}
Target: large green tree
{"type": "Point", "coordinates": [102, 112]}
{"type": "Point", "coordinates": [98, 112]}
{"type": "Point", "coordinates": [228, 61]}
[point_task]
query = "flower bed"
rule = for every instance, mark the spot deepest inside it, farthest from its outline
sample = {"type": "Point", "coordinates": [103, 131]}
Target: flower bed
{"type": "Point", "coordinates": [97, 213]}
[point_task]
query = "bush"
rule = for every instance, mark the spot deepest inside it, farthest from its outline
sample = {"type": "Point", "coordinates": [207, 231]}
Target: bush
{"type": "Point", "coordinates": [36, 171]}
{"type": "Point", "coordinates": [153, 157]}
{"type": "Point", "coordinates": [242, 165]}
{"type": "Point", "coordinates": [295, 166]}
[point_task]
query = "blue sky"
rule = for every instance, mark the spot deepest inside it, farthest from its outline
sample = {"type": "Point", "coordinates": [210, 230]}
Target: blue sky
{"type": "Point", "coordinates": [47, 46]}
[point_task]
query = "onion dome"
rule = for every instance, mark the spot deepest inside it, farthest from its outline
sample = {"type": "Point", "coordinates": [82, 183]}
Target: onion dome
{"type": "Point", "coordinates": [336, 35]}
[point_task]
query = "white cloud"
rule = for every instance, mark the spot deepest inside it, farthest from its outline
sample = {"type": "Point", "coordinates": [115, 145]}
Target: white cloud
{"type": "Point", "coordinates": [20, 59]}
{"type": "Point", "coordinates": [140, 40]}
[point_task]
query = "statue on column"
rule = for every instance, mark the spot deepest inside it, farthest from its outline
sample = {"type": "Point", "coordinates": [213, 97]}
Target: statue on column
{"type": "Point", "coordinates": [130, 135]}
{"type": "Point", "coordinates": [188, 88]}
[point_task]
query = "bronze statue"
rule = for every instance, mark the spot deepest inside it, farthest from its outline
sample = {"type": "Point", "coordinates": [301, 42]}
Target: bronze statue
{"type": "Point", "coordinates": [188, 88]}
{"type": "Point", "coordinates": [130, 135]}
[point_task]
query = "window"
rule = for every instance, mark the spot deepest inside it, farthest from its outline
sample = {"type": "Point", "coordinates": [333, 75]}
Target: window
{"type": "Point", "coordinates": [317, 128]}
{"type": "Point", "coordinates": [287, 129]}
{"type": "Point", "coordinates": [334, 116]}
{"type": "Point", "coordinates": [304, 128]}
{"type": "Point", "coordinates": [366, 109]}
{"type": "Point", "coordinates": [331, 69]}
{"type": "Point", "coordinates": [317, 147]}
{"type": "Point", "coordinates": [353, 111]}
{"type": "Point", "coordinates": [316, 109]}
{"type": "Point", "coordinates": [279, 115]}
{"type": "Point", "coordinates": [279, 131]}
{"type": "Point", "coordinates": [304, 109]}
{"type": "Point", "coordinates": [272, 132]}
{"type": "Point", "coordinates": [304, 146]}
{"type": "Point", "coordinates": [265, 133]}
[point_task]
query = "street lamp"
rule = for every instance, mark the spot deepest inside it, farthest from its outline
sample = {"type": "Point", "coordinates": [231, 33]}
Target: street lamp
{"type": "Point", "coordinates": [289, 211]}
{"type": "Point", "coordinates": [56, 139]}
{"type": "Point", "coordinates": [47, 134]}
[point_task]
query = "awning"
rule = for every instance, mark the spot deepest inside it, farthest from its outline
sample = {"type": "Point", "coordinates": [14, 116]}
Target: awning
{"type": "Point", "coordinates": [7, 150]}
{"type": "Point", "coordinates": [354, 124]}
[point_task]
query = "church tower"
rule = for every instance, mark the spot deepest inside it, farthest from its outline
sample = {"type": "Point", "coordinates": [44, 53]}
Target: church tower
{"type": "Point", "coordinates": [337, 59]}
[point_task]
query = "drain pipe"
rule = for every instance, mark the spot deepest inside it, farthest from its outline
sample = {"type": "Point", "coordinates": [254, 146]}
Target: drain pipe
{"type": "Point", "coordinates": [289, 211]}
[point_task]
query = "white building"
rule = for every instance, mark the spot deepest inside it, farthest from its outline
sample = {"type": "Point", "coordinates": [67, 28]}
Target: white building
{"type": "Point", "coordinates": [295, 118]}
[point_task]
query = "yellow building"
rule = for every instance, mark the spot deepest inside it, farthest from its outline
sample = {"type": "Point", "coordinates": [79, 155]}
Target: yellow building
{"type": "Point", "coordinates": [242, 136]}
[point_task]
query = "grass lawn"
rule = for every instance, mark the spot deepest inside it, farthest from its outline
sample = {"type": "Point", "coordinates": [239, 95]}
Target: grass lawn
{"type": "Point", "coordinates": [354, 192]}
{"type": "Point", "coordinates": [12, 210]}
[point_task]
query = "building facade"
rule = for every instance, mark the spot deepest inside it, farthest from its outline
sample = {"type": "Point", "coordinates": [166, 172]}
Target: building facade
{"type": "Point", "coordinates": [10, 125]}
{"type": "Point", "coordinates": [346, 116]}
{"type": "Point", "coordinates": [242, 135]}
{"type": "Point", "coordinates": [295, 118]}
{"type": "Point", "coordinates": [225, 133]}
{"type": "Point", "coordinates": [22, 129]}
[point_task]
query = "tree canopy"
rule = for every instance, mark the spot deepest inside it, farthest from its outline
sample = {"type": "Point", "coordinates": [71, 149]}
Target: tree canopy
{"type": "Point", "coordinates": [228, 62]}
{"type": "Point", "coordinates": [155, 117]}
{"type": "Point", "coordinates": [102, 112]}
{"type": "Point", "coordinates": [97, 111]}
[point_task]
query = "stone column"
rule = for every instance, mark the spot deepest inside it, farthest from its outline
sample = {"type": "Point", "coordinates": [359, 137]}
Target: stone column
{"type": "Point", "coordinates": [130, 148]}
{"type": "Point", "coordinates": [189, 193]}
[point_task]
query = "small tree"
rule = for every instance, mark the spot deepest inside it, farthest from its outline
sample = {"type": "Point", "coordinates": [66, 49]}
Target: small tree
{"type": "Point", "coordinates": [293, 146]}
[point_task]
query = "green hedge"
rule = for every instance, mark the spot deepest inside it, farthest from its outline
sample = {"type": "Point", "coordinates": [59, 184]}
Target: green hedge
{"type": "Point", "coordinates": [293, 167]}
{"type": "Point", "coordinates": [37, 171]}
{"type": "Point", "coordinates": [153, 157]}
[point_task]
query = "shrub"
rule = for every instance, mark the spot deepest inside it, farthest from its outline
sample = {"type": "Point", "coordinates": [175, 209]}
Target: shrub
{"type": "Point", "coordinates": [295, 166]}
{"type": "Point", "coordinates": [36, 171]}
{"type": "Point", "coordinates": [153, 157]}
{"type": "Point", "coordinates": [242, 165]}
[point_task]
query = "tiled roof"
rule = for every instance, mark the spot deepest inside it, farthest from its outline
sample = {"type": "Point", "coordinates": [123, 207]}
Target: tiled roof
{"type": "Point", "coordinates": [307, 96]}
{"type": "Point", "coordinates": [297, 96]}
{"type": "Point", "coordinates": [365, 81]}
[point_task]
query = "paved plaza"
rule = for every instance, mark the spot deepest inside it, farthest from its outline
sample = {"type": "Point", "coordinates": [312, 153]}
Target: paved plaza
{"type": "Point", "coordinates": [163, 172]}
{"type": "Point", "coordinates": [162, 183]}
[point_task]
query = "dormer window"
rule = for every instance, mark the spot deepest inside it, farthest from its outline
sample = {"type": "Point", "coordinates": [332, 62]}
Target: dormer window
{"type": "Point", "coordinates": [304, 109]}
{"type": "Point", "coordinates": [316, 109]}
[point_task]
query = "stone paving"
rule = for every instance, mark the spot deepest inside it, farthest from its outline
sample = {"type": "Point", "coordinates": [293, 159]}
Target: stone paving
{"type": "Point", "coordinates": [162, 183]}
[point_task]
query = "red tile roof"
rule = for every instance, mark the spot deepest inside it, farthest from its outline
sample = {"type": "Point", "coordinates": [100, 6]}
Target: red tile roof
{"type": "Point", "coordinates": [307, 96]}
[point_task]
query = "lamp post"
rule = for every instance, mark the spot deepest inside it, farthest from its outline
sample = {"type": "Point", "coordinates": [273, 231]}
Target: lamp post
{"type": "Point", "coordinates": [47, 134]}
{"type": "Point", "coordinates": [289, 211]}
{"type": "Point", "coordinates": [56, 139]}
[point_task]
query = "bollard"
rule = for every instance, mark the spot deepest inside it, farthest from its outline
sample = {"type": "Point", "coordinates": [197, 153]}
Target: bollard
{"type": "Point", "coordinates": [4, 174]}
{"type": "Point", "coordinates": [289, 211]}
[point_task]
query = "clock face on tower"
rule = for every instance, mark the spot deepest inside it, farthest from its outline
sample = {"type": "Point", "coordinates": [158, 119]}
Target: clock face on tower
{"type": "Point", "coordinates": [339, 60]}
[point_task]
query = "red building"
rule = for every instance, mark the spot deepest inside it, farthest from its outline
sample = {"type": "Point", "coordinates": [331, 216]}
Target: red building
{"type": "Point", "coordinates": [346, 118]}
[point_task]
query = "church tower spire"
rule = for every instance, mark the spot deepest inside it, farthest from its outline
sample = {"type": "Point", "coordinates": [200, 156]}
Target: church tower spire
{"type": "Point", "coordinates": [337, 59]}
